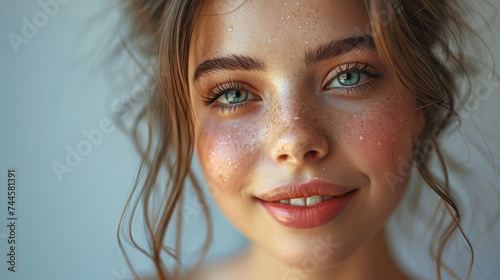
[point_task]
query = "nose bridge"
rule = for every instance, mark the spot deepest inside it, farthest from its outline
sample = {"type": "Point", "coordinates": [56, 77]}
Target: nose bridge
{"type": "Point", "coordinates": [296, 134]}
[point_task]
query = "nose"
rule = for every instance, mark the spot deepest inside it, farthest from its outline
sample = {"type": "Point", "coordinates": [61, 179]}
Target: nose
{"type": "Point", "coordinates": [299, 141]}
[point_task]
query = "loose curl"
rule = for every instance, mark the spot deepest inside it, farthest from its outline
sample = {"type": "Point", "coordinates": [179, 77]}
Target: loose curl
{"type": "Point", "coordinates": [421, 42]}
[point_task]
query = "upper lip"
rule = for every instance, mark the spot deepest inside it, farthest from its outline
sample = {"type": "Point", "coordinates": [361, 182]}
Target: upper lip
{"type": "Point", "coordinates": [311, 188]}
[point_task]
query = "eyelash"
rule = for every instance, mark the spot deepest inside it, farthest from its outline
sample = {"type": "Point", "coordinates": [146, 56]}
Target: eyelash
{"type": "Point", "coordinates": [223, 88]}
{"type": "Point", "coordinates": [356, 67]}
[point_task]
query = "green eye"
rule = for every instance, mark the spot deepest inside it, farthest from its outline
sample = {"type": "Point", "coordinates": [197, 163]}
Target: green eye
{"type": "Point", "coordinates": [236, 96]}
{"type": "Point", "coordinates": [352, 77]}
{"type": "Point", "coordinates": [347, 79]}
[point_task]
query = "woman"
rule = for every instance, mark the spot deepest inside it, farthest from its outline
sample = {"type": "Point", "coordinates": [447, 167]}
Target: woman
{"type": "Point", "coordinates": [306, 118]}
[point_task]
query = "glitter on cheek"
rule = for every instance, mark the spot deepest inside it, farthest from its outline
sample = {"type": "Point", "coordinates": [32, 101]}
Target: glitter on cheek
{"type": "Point", "coordinates": [375, 136]}
{"type": "Point", "coordinates": [227, 155]}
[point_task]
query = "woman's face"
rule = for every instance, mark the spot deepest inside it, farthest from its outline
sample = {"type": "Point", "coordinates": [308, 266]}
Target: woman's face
{"type": "Point", "coordinates": [292, 100]}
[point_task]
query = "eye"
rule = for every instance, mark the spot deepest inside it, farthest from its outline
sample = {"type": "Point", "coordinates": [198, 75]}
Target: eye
{"type": "Point", "coordinates": [233, 96]}
{"type": "Point", "coordinates": [347, 79]}
{"type": "Point", "coordinates": [229, 97]}
{"type": "Point", "coordinates": [350, 77]}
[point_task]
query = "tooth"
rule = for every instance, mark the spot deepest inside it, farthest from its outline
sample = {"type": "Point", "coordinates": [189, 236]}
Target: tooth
{"type": "Point", "coordinates": [327, 197]}
{"type": "Point", "coordinates": [315, 199]}
{"type": "Point", "coordinates": [301, 201]}
{"type": "Point", "coordinates": [285, 201]}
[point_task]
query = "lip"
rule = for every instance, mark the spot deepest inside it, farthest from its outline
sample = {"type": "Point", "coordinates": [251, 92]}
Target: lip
{"type": "Point", "coordinates": [314, 187]}
{"type": "Point", "coordinates": [306, 217]}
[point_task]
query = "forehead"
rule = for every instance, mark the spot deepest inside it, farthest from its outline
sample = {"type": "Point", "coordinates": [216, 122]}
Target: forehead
{"type": "Point", "coordinates": [281, 28]}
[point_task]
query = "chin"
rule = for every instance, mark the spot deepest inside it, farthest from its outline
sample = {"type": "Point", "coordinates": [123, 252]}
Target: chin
{"type": "Point", "coordinates": [316, 254]}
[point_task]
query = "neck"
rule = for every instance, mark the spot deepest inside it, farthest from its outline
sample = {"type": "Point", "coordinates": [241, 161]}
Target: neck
{"type": "Point", "coordinates": [371, 261]}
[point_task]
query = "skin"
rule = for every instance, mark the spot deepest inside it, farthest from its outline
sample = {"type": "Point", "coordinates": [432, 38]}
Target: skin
{"type": "Point", "coordinates": [293, 128]}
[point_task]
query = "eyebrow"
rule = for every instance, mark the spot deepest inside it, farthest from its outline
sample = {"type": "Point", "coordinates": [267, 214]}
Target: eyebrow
{"type": "Point", "coordinates": [320, 53]}
{"type": "Point", "coordinates": [230, 62]}
{"type": "Point", "coordinates": [339, 47]}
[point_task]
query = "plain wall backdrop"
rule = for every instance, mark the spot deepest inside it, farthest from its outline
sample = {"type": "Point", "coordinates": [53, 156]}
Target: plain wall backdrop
{"type": "Point", "coordinates": [53, 95]}
{"type": "Point", "coordinates": [56, 113]}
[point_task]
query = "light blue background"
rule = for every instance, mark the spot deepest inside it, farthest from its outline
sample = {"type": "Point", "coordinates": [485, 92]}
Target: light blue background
{"type": "Point", "coordinates": [51, 90]}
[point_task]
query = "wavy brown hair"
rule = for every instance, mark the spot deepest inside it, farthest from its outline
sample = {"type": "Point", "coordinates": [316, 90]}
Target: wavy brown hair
{"type": "Point", "coordinates": [420, 41]}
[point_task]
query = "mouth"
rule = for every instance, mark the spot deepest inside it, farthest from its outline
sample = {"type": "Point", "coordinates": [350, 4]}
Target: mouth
{"type": "Point", "coordinates": [306, 194]}
{"type": "Point", "coordinates": [308, 205]}
{"type": "Point", "coordinates": [305, 201]}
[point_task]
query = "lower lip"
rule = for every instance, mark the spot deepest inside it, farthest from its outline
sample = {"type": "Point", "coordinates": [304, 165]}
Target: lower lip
{"type": "Point", "coordinates": [306, 217]}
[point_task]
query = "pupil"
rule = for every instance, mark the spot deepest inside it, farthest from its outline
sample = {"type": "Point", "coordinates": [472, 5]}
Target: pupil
{"type": "Point", "coordinates": [235, 96]}
{"type": "Point", "coordinates": [349, 78]}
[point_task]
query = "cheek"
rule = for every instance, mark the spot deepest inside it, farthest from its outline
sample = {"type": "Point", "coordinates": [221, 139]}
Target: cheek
{"type": "Point", "coordinates": [225, 154]}
{"type": "Point", "coordinates": [380, 141]}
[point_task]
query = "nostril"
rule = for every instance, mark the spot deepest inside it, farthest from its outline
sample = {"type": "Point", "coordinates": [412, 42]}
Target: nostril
{"type": "Point", "coordinates": [311, 154]}
{"type": "Point", "coordinates": [283, 157]}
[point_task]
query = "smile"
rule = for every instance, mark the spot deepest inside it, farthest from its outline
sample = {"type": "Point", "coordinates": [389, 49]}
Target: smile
{"type": "Point", "coordinates": [308, 205]}
{"type": "Point", "coordinates": [305, 201]}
